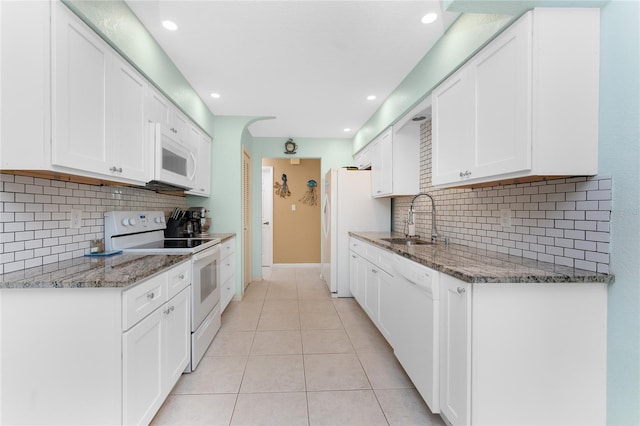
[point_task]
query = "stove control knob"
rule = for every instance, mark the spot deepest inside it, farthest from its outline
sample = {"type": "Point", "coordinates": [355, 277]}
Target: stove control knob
{"type": "Point", "coordinates": [132, 222]}
{"type": "Point", "coordinates": [125, 222]}
{"type": "Point", "coordinates": [159, 219]}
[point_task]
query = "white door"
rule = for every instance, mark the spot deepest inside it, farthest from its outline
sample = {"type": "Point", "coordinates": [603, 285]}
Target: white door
{"type": "Point", "coordinates": [246, 218]}
{"type": "Point", "coordinates": [267, 216]}
{"type": "Point", "coordinates": [326, 231]}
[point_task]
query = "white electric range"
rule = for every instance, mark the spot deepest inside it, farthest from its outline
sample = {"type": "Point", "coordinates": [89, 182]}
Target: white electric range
{"type": "Point", "coordinates": [143, 232]}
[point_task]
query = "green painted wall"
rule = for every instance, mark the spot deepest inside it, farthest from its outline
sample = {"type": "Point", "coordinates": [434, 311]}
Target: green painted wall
{"type": "Point", "coordinates": [619, 133]}
{"type": "Point", "coordinates": [332, 153]}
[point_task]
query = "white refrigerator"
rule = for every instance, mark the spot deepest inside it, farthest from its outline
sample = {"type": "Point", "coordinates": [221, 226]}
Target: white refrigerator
{"type": "Point", "coordinates": [347, 205]}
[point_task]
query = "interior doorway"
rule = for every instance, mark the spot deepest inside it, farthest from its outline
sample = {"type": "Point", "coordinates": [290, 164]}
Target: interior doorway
{"type": "Point", "coordinates": [296, 221]}
{"type": "Point", "coordinates": [267, 216]}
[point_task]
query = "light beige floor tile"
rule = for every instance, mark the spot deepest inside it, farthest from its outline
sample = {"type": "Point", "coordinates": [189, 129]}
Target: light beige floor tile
{"type": "Point", "coordinates": [326, 342]}
{"type": "Point", "coordinates": [280, 409]}
{"type": "Point", "coordinates": [321, 306]}
{"type": "Point", "coordinates": [384, 371]}
{"type": "Point", "coordinates": [282, 293]}
{"type": "Point", "coordinates": [346, 304]}
{"type": "Point", "coordinates": [213, 375]}
{"type": "Point", "coordinates": [277, 342]}
{"type": "Point", "coordinates": [405, 407]}
{"type": "Point", "coordinates": [279, 321]}
{"type": "Point", "coordinates": [256, 291]}
{"type": "Point", "coordinates": [368, 341]}
{"type": "Point", "coordinates": [276, 305]}
{"type": "Point", "coordinates": [313, 292]}
{"type": "Point", "coordinates": [308, 272]}
{"type": "Point", "coordinates": [344, 408]}
{"type": "Point", "coordinates": [196, 410]}
{"type": "Point", "coordinates": [334, 372]}
{"type": "Point", "coordinates": [231, 343]}
{"type": "Point", "coordinates": [320, 321]}
{"type": "Point", "coordinates": [240, 322]}
{"type": "Point", "coordinates": [273, 373]}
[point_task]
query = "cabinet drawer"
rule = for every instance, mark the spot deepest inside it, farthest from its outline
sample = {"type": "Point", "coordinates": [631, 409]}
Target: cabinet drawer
{"type": "Point", "coordinates": [379, 257]}
{"type": "Point", "coordinates": [227, 266]}
{"type": "Point", "coordinates": [227, 248]}
{"type": "Point", "coordinates": [143, 299]}
{"type": "Point", "coordinates": [178, 278]}
{"type": "Point", "coordinates": [356, 246]}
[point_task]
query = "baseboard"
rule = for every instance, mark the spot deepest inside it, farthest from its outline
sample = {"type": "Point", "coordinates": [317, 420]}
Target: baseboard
{"type": "Point", "coordinates": [296, 265]}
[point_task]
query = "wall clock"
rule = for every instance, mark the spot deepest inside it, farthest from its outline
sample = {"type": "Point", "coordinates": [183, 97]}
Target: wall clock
{"type": "Point", "coordinates": [290, 147]}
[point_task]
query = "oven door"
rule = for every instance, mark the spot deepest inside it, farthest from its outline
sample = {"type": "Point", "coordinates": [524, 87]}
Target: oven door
{"type": "Point", "coordinates": [175, 161]}
{"type": "Point", "coordinates": [205, 287]}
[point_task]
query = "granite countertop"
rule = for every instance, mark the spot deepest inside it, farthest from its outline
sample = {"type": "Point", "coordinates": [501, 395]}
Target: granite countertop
{"type": "Point", "coordinates": [117, 271]}
{"type": "Point", "coordinates": [224, 236]}
{"type": "Point", "coordinates": [483, 266]}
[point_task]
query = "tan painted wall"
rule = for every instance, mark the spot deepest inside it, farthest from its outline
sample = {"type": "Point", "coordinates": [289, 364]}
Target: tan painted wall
{"type": "Point", "coordinates": [296, 234]}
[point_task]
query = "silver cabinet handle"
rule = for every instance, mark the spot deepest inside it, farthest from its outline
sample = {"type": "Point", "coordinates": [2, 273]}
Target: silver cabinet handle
{"type": "Point", "coordinates": [375, 271]}
{"type": "Point", "coordinates": [353, 255]}
{"type": "Point", "coordinates": [461, 290]}
{"type": "Point", "coordinates": [465, 174]}
{"type": "Point", "coordinates": [116, 169]}
{"type": "Point", "coordinates": [181, 276]}
{"type": "Point", "coordinates": [150, 296]}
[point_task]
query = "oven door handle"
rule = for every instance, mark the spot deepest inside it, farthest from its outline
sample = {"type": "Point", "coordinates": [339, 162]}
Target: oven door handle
{"type": "Point", "coordinates": [206, 253]}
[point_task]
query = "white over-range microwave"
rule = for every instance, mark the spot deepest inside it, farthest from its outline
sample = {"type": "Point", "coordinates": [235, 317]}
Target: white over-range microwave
{"type": "Point", "coordinates": [175, 160]}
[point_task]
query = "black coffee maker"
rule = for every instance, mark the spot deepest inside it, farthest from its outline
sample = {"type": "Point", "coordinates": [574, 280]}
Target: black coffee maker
{"type": "Point", "coordinates": [197, 224]}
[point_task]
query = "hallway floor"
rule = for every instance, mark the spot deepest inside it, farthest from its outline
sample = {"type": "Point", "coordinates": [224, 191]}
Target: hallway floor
{"type": "Point", "coordinates": [288, 354]}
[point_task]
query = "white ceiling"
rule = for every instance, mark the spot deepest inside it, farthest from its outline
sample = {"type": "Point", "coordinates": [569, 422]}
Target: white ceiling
{"type": "Point", "coordinates": [311, 64]}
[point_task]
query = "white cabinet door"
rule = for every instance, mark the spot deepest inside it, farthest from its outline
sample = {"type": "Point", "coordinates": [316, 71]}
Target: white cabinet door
{"type": "Point", "coordinates": [157, 107]}
{"type": "Point", "coordinates": [382, 164]}
{"type": "Point", "coordinates": [179, 124]}
{"type": "Point", "coordinates": [81, 62]}
{"type": "Point", "coordinates": [177, 338]}
{"type": "Point", "coordinates": [388, 306]}
{"type": "Point", "coordinates": [371, 290]}
{"type": "Point", "coordinates": [354, 261]}
{"type": "Point", "coordinates": [130, 142]}
{"type": "Point", "coordinates": [455, 350]}
{"type": "Point", "coordinates": [202, 185]}
{"type": "Point", "coordinates": [501, 74]}
{"type": "Point", "coordinates": [142, 374]}
{"type": "Point", "coordinates": [452, 126]}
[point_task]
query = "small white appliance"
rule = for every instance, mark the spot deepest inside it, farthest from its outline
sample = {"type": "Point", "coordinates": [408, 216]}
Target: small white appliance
{"type": "Point", "coordinates": [143, 232]}
{"type": "Point", "coordinates": [175, 160]}
{"type": "Point", "coordinates": [348, 206]}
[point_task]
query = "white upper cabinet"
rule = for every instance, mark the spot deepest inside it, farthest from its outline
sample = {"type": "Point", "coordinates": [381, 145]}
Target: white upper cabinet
{"type": "Point", "coordinates": [130, 146]}
{"type": "Point", "coordinates": [98, 120]}
{"type": "Point", "coordinates": [202, 185]}
{"type": "Point", "coordinates": [81, 62]}
{"type": "Point", "coordinates": [522, 107]}
{"type": "Point", "coordinates": [157, 107]}
{"type": "Point", "coordinates": [395, 162]}
{"type": "Point", "coordinates": [362, 158]}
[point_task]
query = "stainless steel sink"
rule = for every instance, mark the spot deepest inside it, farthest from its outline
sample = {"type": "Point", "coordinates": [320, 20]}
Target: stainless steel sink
{"type": "Point", "coordinates": [407, 241]}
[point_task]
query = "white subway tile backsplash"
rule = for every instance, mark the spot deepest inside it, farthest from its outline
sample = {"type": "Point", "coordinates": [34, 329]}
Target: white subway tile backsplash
{"type": "Point", "coordinates": [559, 220]}
{"type": "Point", "coordinates": [35, 217]}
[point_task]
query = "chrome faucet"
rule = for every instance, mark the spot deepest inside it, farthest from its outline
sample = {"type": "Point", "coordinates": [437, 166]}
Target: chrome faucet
{"type": "Point", "coordinates": [434, 230]}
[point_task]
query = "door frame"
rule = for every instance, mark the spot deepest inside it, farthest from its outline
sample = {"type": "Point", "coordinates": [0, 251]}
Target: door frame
{"type": "Point", "coordinates": [267, 207]}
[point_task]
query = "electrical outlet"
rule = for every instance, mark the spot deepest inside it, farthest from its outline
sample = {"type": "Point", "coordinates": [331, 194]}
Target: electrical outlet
{"type": "Point", "coordinates": [293, 207]}
{"type": "Point", "coordinates": [505, 217]}
{"type": "Point", "coordinates": [76, 219]}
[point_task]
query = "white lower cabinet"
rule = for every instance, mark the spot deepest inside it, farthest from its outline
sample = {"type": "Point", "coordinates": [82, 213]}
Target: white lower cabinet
{"type": "Point", "coordinates": [523, 353]}
{"type": "Point", "coordinates": [112, 356]}
{"type": "Point", "coordinates": [155, 353]}
{"type": "Point", "coordinates": [227, 272]}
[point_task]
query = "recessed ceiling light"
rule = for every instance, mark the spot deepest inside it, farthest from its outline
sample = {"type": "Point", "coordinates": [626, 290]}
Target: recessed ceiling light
{"type": "Point", "coordinates": [371, 97]}
{"type": "Point", "coordinates": [215, 95]}
{"type": "Point", "coordinates": [347, 129]}
{"type": "Point", "coordinates": [170, 25]}
{"type": "Point", "coordinates": [429, 18]}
